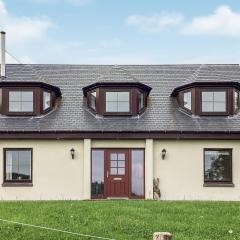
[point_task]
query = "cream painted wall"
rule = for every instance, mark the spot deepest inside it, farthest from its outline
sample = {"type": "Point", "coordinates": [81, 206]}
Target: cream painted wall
{"type": "Point", "coordinates": [181, 173]}
{"type": "Point", "coordinates": [118, 143]}
{"type": "Point", "coordinates": [55, 174]}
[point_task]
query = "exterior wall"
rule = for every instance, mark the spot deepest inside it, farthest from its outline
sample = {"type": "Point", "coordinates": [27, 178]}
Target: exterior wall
{"type": "Point", "coordinates": [181, 174]}
{"type": "Point", "coordinates": [55, 174]}
{"type": "Point", "coordinates": [57, 177]}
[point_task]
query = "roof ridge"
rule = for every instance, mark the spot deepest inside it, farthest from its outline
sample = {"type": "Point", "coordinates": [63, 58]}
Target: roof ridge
{"type": "Point", "coordinates": [126, 72]}
{"type": "Point", "coordinates": [117, 67]}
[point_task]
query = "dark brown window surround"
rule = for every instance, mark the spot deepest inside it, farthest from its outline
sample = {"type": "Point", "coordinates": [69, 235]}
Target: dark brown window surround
{"type": "Point", "coordinates": [197, 100]}
{"type": "Point", "coordinates": [131, 107]}
{"type": "Point", "coordinates": [238, 103]}
{"type": "Point", "coordinates": [201, 90]}
{"type": "Point", "coordinates": [140, 110]}
{"type": "Point", "coordinates": [101, 87]}
{"type": "Point", "coordinates": [38, 87]}
{"type": "Point", "coordinates": [37, 101]}
{"type": "Point", "coordinates": [101, 101]}
{"type": "Point", "coordinates": [180, 99]}
{"type": "Point", "coordinates": [130, 169]}
{"type": "Point", "coordinates": [52, 99]}
{"type": "Point", "coordinates": [18, 183]}
{"type": "Point", "coordinates": [208, 183]}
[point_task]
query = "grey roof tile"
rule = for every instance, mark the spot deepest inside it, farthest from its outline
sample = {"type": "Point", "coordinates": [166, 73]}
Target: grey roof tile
{"type": "Point", "coordinates": [162, 113]}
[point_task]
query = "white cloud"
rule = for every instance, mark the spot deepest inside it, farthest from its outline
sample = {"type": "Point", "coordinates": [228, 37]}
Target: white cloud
{"type": "Point", "coordinates": [223, 22]}
{"type": "Point", "coordinates": [155, 23]}
{"type": "Point", "coordinates": [22, 29]}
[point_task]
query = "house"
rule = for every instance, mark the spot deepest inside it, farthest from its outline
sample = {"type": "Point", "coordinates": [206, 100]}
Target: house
{"type": "Point", "coordinates": [106, 131]}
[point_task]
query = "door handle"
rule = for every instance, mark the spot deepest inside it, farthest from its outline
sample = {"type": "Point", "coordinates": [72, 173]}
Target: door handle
{"type": "Point", "coordinates": [107, 174]}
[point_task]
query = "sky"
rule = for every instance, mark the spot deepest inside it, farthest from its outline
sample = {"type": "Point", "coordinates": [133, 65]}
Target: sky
{"type": "Point", "coordinates": [121, 32]}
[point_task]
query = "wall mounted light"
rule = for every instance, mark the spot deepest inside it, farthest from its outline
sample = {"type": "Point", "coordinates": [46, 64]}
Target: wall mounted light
{"type": "Point", "coordinates": [164, 151]}
{"type": "Point", "coordinates": [72, 151]}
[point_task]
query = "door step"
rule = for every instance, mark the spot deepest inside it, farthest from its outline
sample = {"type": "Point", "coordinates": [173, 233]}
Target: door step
{"type": "Point", "coordinates": [118, 198]}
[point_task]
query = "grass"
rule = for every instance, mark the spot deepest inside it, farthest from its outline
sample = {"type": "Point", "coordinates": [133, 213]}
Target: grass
{"type": "Point", "coordinates": [122, 220]}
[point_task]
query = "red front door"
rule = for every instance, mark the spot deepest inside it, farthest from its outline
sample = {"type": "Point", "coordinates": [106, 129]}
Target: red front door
{"type": "Point", "coordinates": [117, 173]}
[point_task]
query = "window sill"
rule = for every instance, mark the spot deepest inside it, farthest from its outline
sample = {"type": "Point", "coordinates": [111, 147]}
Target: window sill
{"type": "Point", "coordinates": [13, 184]}
{"type": "Point", "coordinates": [218, 185]}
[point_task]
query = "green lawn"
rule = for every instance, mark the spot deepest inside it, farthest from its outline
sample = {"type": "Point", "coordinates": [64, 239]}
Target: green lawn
{"type": "Point", "coordinates": [122, 219]}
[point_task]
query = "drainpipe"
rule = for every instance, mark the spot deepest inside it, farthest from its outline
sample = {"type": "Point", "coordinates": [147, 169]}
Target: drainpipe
{"type": "Point", "coordinates": [3, 55]}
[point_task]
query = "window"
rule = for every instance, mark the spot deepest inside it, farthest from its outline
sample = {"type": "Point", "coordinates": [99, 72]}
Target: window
{"type": "Point", "coordinates": [137, 170]}
{"type": "Point", "coordinates": [141, 101]}
{"type": "Point", "coordinates": [214, 101]}
{"type": "Point", "coordinates": [117, 102]}
{"type": "Point", "coordinates": [187, 100]}
{"type": "Point", "coordinates": [117, 164]}
{"type": "Point", "coordinates": [218, 165]}
{"type": "Point", "coordinates": [46, 100]}
{"type": "Point", "coordinates": [97, 189]}
{"type": "Point", "coordinates": [236, 100]}
{"type": "Point", "coordinates": [20, 101]}
{"type": "Point", "coordinates": [18, 165]}
{"type": "Point", "coordinates": [93, 96]}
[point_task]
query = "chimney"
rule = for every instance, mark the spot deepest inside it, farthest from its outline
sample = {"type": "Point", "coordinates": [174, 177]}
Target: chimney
{"type": "Point", "coordinates": [3, 55]}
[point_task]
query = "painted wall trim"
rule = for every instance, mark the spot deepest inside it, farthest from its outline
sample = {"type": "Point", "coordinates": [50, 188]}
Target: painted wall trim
{"type": "Point", "coordinates": [75, 135]}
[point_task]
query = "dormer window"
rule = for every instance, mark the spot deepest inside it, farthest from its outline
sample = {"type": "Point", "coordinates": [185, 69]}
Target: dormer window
{"type": "Point", "coordinates": [20, 101]}
{"type": "Point", "coordinates": [117, 99]}
{"type": "Point", "coordinates": [141, 101]}
{"type": "Point", "coordinates": [236, 101]}
{"type": "Point", "coordinates": [27, 98]}
{"type": "Point", "coordinates": [117, 102]}
{"type": "Point", "coordinates": [214, 101]}
{"type": "Point", "coordinates": [46, 100]}
{"type": "Point", "coordinates": [187, 100]}
{"type": "Point", "coordinates": [209, 99]}
{"type": "Point", "coordinates": [92, 100]}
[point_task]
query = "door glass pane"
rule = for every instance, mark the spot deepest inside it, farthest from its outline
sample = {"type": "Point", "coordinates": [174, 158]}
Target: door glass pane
{"type": "Point", "coordinates": [113, 171]}
{"type": "Point", "coordinates": [97, 173]}
{"type": "Point", "coordinates": [137, 170]}
{"type": "Point", "coordinates": [121, 156]}
{"type": "Point", "coordinates": [121, 171]}
{"type": "Point", "coordinates": [113, 156]}
{"type": "Point", "coordinates": [113, 163]}
{"type": "Point", "coordinates": [121, 163]}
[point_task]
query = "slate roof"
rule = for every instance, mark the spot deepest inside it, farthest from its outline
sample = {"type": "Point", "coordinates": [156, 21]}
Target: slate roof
{"type": "Point", "coordinates": [162, 113]}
